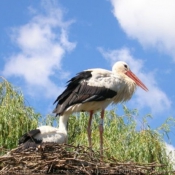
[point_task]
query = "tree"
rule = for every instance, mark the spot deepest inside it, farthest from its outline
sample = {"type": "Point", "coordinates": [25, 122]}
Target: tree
{"type": "Point", "coordinates": [124, 141]}
{"type": "Point", "coordinates": [15, 117]}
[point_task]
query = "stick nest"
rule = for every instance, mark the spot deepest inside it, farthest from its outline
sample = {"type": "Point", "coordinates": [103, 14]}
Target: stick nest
{"type": "Point", "coordinates": [51, 158]}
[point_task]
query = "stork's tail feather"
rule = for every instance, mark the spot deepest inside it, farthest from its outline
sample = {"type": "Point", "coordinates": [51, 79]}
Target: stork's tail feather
{"type": "Point", "coordinates": [29, 136]}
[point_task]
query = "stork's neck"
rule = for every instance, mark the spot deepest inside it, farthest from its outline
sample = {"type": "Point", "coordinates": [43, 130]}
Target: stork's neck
{"type": "Point", "coordinates": [63, 123]}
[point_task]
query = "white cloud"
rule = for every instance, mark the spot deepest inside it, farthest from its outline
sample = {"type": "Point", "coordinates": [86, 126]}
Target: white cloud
{"type": "Point", "coordinates": [42, 42]}
{"type": "Point", "coordinates": [155, 98]}
{"type": "Point", "coordinates": [151, 22]}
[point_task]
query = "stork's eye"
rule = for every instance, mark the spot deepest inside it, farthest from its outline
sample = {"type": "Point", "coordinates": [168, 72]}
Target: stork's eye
{"type": "Point", "coordinates": [125, 66]}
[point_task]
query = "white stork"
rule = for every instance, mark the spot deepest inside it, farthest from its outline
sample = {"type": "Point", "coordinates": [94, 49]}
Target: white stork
{"type": "Point", "coordinates": [45, 134]}
{"type": "Point", "coordinates": [94, 89]}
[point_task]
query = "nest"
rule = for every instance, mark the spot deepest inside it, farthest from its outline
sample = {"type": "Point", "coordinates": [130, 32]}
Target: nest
{"type": "Point", "coordinates": [51, 158]}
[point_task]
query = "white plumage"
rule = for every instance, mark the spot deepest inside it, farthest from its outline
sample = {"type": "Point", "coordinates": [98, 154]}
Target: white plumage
{"type": "Point", "coordinates": [94, 89]}
{"type": "Point", "coordinates": [45, 134]}
{"type": "Point", "coordinates": [51, 134]}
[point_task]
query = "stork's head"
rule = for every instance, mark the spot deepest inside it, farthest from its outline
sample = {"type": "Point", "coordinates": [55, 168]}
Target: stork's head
{"type": "Point", "coordinates": [121, 67]}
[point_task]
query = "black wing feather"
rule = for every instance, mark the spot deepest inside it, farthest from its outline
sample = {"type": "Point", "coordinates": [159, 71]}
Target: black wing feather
{"type": "Point", "coordinates": [72, 84]}
{"type": "Point", "coordinates": [77, 92]}
{"type": "Point", "coordinates": [29, 137]}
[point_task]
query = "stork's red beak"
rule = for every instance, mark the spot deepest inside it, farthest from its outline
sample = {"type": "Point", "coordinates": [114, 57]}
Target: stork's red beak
{"type": "Point", "coordinates": [136, 79]}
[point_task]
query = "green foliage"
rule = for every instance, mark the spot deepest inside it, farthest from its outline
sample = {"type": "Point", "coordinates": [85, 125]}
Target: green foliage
{"type": "Point", "coordinates": [122, 139]}
{"type": "Point", "coordinates": [15, 117]}
{"type": "Point", "coordinates": [49, 120]}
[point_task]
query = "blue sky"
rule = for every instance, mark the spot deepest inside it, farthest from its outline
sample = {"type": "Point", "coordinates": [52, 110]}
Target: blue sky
{"type": "Point", "coordinates": [44, 43]}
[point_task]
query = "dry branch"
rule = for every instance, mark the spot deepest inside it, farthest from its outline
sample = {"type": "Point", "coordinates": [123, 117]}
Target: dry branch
{"type": "Point", "coordinates": [68, 159]}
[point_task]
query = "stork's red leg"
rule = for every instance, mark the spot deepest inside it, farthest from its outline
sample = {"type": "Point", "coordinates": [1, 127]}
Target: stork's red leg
{"type": "Point", "coordinates": [89, 129]}
{"type": "Point", "coordinates": [101, 132]}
